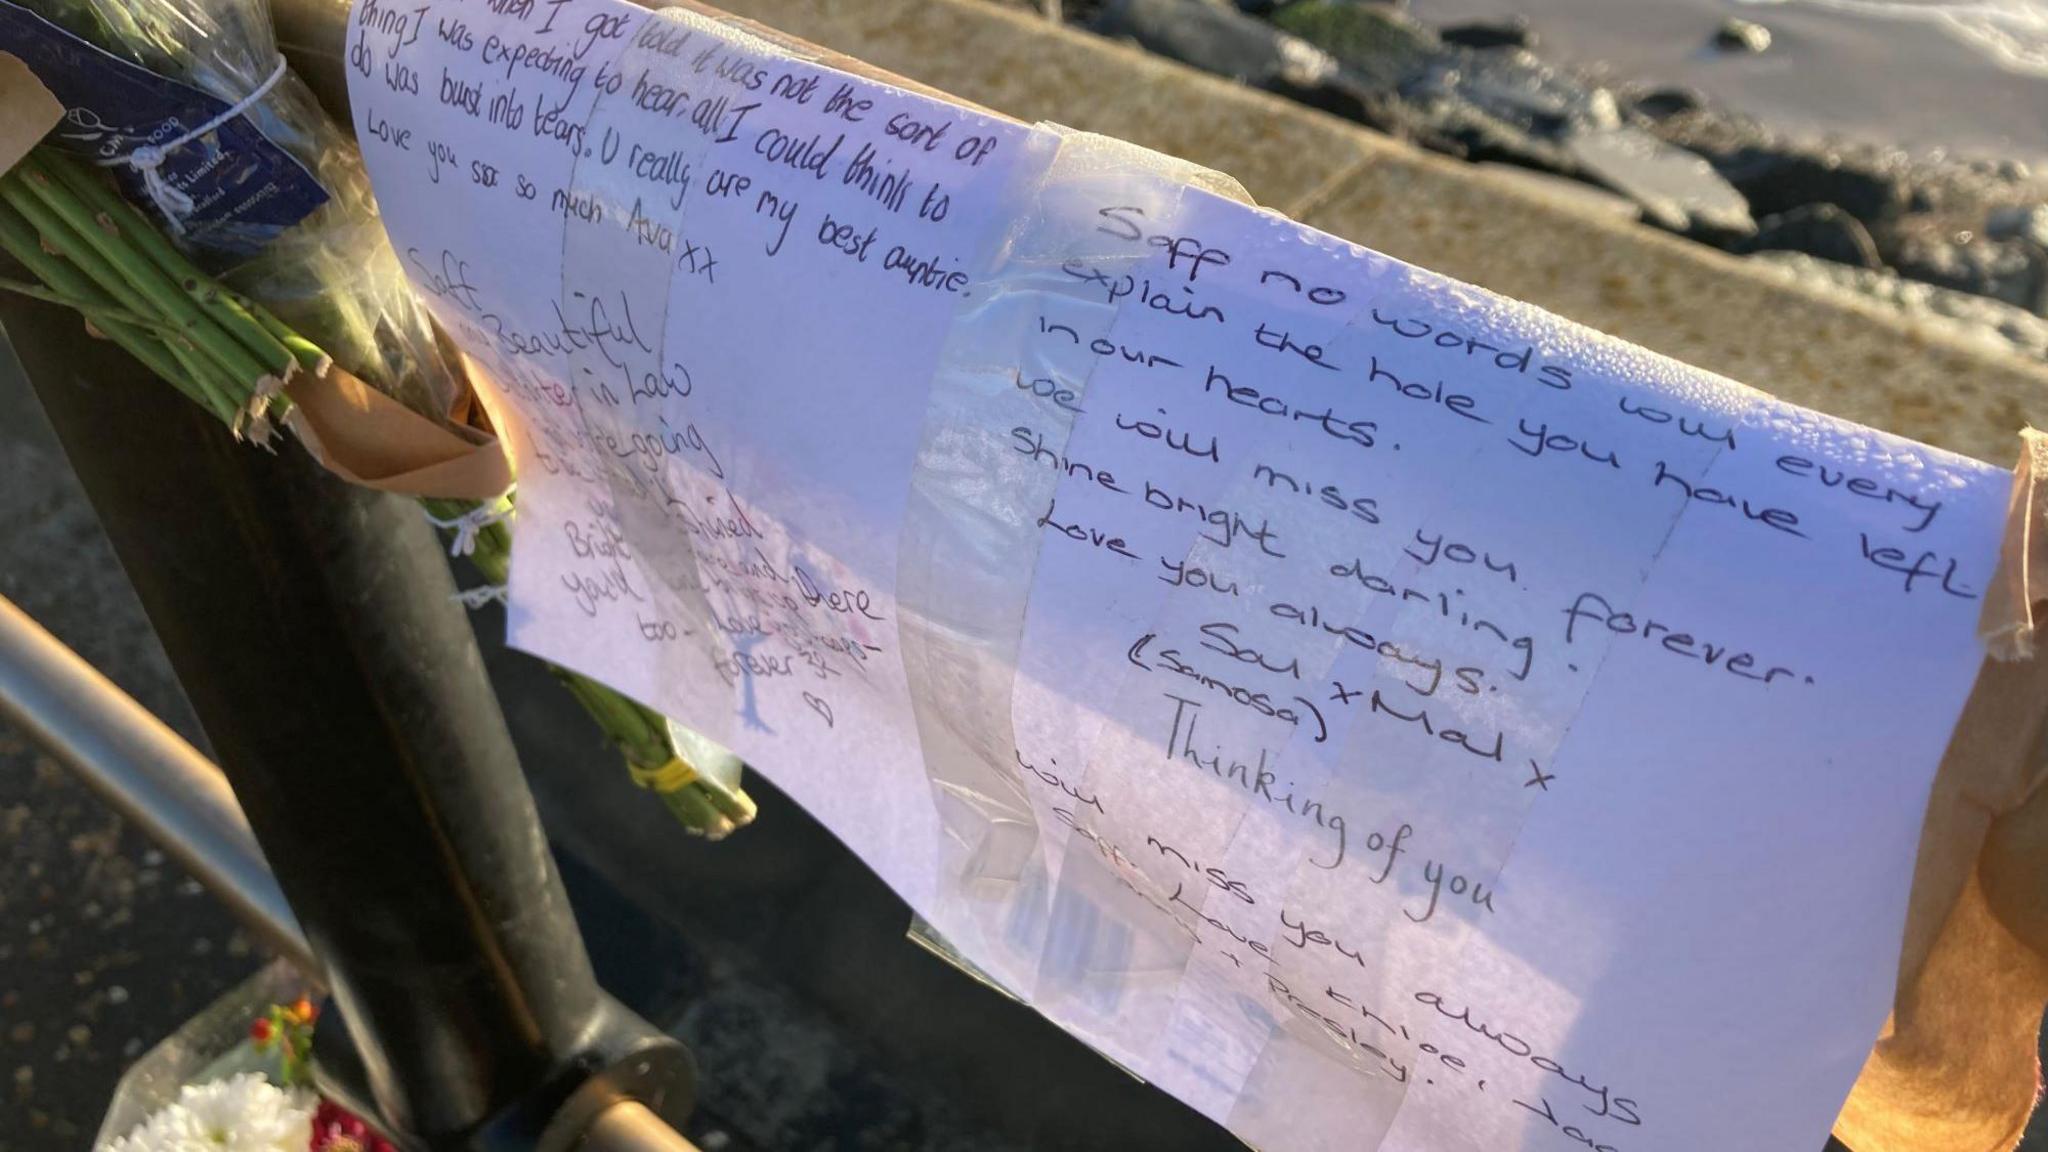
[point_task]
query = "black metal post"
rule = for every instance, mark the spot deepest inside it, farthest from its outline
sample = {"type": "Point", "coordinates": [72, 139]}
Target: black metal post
{"type": "Point", "coordinates": [311, 625]}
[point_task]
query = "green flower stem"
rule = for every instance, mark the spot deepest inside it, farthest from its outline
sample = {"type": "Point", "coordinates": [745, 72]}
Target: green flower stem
{"type": "Point", "coordinates": [90, 309]}
{"type": "Point", "coordinates": [693, 810]}
{"type": "Point", "coordinates": [733, 804]}
{"type": "Point", "coordinates": [100, 257]}
{"type": "Point", "coordinates": [20, 240]}
{"type": "Point", "coordinates": [104, 203]}
{"type": "Point", "coordinates": [107, 239]}
{"type": "Point", "coordinates": [57, 239]}
{"type": "Point", "coordinates": [311, 356]}
{"type": "Point", "coordinates": [201, 371]}
{"type": "Point", "coordinates": [194, 369]}
{"type": "Point", "coordinates": [142, 339]}
{"type": "Point", "coordinates": [154, 355]}
{"type": "Point", "coordinates": [637, 731]}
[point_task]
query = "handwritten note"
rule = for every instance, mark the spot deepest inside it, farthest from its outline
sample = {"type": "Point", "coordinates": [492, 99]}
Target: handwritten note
{"type": "Point", "coordinates": [1381, 714]}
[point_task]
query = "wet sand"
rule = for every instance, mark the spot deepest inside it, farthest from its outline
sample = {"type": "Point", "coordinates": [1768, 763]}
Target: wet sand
{"type": "Point", "coordinates": [1887, 80]}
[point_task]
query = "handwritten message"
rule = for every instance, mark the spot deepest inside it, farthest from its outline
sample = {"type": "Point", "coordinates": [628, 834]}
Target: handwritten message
{"type": "Point", "coordinates": [1381, 714]}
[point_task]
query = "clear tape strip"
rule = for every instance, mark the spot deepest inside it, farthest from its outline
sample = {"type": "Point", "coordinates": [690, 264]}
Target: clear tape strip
{"type": "Point", "coordinates": [668, 493]}
{"type": "Point", "coordinates": [975, 524]}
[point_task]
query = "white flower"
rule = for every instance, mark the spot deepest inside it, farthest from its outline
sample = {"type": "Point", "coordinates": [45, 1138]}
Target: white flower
{"type": "Point", "coordinates": [242, 1113]}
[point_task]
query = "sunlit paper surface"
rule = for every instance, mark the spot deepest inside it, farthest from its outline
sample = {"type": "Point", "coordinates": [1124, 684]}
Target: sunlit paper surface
{"type": "Point", "coordinates": [1379, 713]}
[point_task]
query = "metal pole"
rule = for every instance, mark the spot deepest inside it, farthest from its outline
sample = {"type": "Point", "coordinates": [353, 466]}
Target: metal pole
{"type": "Point", "coordinates": [311, 625]}
{"type": "Point", "coordinates": [180, 799]}
{"type": "Point", "coordinates": [145, 771]}
{"type": "Point", "coordinates": [344, 694]}
{"type": "Point", "coordinates": [629, 1127]}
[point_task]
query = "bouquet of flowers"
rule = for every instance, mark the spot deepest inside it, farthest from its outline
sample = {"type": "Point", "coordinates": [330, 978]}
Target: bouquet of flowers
{"type": "Point", "coordinates": [289, 217]}
{"type": "Point", "coordinates": [276, 1110]}
{"type": "Point", "coordinates": [242, 1113]}
{"type": "Point", "coordinates": [197, 207]}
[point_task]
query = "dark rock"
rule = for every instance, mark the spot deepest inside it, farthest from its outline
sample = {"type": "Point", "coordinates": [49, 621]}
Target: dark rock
{"type": "Point", "coordinates": [1742, 36]}
{"type": "Point", "coordinates": [1505, 105]}
{"type": "Point", "coordinates": [1778, 180]}
{"type": "Point", "coordinates": [1663, 103]}
{"type": "Point", "coordinates": [1822, 230]}
{"type": "Point", "coordinates": [1513, 32]}
{"type": "Point", "coordinates": [1502, 104]}
{"type": "Point", "coordinates": [1518, 90]}
{"type": "Point", "coordinates": [1677, 190]}
{"type": "Point", "coordinates": [1229, 43]}
{"type": "Point", "coordinates": [1493, 105]}
{"type": "Point", "coordinates": [1488, 103]}
{"type": "Point", "coordinates": [2011, 270]}
{"type": "Point", "coordinates": [1381, 47]}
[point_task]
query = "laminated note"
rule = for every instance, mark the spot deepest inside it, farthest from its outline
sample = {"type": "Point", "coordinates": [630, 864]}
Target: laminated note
{"type": "Point", "coordinates": [1381, 714]}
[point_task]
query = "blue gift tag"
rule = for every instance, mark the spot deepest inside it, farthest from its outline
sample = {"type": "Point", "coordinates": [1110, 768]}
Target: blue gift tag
{"type": "Point", "coordinates": [230, 191]}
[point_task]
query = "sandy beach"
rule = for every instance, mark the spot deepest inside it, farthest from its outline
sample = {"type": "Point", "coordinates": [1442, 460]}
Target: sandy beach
{"type": "Point", "coordinates": [1920, 75]}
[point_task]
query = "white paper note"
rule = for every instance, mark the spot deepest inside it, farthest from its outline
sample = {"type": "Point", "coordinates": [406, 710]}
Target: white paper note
{"type": "Point", "coordinates": [1381, 714]}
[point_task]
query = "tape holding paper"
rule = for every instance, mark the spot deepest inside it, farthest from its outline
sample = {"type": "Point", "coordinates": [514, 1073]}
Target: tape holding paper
{"type": "Point", "coordinates": [975, 523]}
{"type": "Point", "coordinates": [625, 219]}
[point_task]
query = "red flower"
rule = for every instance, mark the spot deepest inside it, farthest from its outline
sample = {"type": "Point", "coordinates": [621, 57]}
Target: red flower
{"type": "Point", "coordinates": [336, 1129]}
{"type": "Point", "coordinates": [259, 1031]}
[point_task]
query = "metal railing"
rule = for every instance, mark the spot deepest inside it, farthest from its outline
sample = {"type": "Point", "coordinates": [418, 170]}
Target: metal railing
{"type": "Point", "coordinates": [167, 788]}
{"type": "Point", "coordinates": [145, 771]}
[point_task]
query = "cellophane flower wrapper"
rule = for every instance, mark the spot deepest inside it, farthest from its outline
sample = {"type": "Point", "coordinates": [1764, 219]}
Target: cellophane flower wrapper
{"type": "Point", "coordinates": [333, 276]}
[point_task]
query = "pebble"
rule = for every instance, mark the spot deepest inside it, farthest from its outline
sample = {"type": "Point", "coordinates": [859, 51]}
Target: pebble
{"type": "Point", "coordinates": [2027, 222]}
{"type": "Point", "coordinates": [1661, 103]}
{"type": "Point", "coordinates": [1736, 35]}
{"type": "Point", "coordinates": [1513, 32]}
